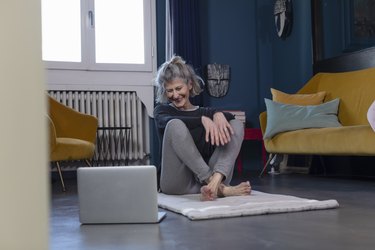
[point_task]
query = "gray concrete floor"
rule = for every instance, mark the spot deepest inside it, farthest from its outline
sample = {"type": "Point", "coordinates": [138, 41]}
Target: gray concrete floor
{"type": "Point", "coordinates": [352, 226]}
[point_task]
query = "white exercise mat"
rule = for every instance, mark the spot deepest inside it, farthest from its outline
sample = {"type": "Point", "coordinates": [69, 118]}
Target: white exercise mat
{"type": "Point", "coordinates": [257, 203]}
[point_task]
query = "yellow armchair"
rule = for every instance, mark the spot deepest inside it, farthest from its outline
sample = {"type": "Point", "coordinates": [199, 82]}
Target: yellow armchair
{"type": "Point", "coordinates": [72, 135]}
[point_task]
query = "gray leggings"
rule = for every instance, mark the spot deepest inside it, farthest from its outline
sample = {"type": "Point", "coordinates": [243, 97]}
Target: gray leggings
{"type": "Point", "coordinates": [183, 169]}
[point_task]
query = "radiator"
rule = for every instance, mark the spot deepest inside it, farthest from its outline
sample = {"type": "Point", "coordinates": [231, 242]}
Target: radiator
{"type": "Point", "coordinates": [123, 134]}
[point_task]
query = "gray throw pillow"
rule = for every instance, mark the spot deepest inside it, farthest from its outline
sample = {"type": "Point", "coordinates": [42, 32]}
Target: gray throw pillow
{"type": "Point", "coordinates": [286, 117]}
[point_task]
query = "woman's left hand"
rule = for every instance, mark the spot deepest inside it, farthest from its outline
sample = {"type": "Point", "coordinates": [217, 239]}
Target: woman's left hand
{"type": "Point", "coordinates": [224, 128]}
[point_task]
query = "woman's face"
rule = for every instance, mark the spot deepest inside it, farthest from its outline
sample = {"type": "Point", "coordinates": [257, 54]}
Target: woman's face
{"type": "Point", "coordinates": [178, 93]}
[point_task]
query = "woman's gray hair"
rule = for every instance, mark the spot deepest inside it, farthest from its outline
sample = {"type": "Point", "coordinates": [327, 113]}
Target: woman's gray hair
{"type": "Point", "coordinates": [172, 69]}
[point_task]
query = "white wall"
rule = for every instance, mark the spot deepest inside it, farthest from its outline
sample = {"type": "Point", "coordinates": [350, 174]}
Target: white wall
{"type": "Point", "coordinates": [23, 153]}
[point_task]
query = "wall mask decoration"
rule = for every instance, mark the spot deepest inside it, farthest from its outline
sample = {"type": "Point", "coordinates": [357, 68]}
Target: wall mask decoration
{"type": "Point", "coordinates": [283, 12]}
{"type": "Point", "coordinates": [218, 78]}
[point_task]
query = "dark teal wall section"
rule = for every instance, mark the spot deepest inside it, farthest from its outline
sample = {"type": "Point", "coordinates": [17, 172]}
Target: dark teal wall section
{"type": "Point", "coordinates": [333, 28]}
{"type": "Point", "coordinates": [242, 33]}
{"type": "Point", "coordinates": [228, 31]}
{"type": "Point", "coordinates": [283, 64]}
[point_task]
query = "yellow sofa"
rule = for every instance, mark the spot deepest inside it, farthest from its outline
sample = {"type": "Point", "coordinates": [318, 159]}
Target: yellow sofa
{"type": "Point", "coordinates": [356, 91]}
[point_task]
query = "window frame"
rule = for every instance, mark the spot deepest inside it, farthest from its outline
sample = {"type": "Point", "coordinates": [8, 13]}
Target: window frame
{"type": "Point", "coordinates": [110, 80]}
{"type": "Point", "coordinates": [88, 44]}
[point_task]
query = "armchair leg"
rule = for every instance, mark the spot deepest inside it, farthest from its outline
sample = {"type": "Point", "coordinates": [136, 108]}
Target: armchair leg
{"type": "Point", "coordinates": [61, 177]}
{"type": "Point", "coordinates": [270, 157]}
{"type": "Point", "coordinates": [88, 163]}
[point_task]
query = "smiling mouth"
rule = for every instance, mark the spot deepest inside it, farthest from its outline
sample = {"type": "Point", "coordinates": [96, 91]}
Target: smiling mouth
{"type": "Point", "coordinates": [179, 99]}
{"type": "Point", "coordinates": [176, 103]}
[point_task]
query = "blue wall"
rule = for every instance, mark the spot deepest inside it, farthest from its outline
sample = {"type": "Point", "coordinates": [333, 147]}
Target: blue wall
{"type": "Point", "coordinates": [228, 32]}
{"type": "Point", "coordinates": [242, 33]}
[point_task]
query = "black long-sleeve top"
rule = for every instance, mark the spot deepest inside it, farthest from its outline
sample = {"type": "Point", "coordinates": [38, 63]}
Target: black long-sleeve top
{"type": "Point", "coordinates": [163, 113]}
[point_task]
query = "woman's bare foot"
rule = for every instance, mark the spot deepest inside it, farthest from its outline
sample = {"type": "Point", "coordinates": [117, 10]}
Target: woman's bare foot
{"type": "Point", "coordinates": [210, 191]}
{"type": "Point", "coordinates": [207, 194]}
{"type": "Point", "coordinates": [241, 189]}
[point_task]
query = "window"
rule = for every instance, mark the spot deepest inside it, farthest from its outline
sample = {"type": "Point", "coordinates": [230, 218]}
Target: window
{"type": "Point", "coordinates": [98, 35]}
{"type": "Point", "coordinates": [61, 35]}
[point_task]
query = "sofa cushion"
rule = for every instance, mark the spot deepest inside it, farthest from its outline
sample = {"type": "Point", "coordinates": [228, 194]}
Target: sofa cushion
{"type": "Point", "coordinates": [286, 117]}
{"type": "Point", "coordinates": [298, 99]}
{"type": "Point", "coordinates": [345, 140]}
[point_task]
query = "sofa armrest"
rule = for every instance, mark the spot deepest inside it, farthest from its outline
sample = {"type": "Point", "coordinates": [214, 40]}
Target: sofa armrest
{"type": "Point", "coordinates": [51, 134]}
{"type": "Point", "coordinates": [263, 121]}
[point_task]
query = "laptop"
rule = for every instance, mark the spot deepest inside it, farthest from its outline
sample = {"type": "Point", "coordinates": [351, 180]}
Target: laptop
{"type": "Point", "coordinates": [126, 194]}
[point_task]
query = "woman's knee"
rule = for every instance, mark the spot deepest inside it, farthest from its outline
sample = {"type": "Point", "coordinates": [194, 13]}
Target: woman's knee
{"type": "Point", "coordinates": [238, 127]}
{"type": "Point", "coordinates": [175, 125]}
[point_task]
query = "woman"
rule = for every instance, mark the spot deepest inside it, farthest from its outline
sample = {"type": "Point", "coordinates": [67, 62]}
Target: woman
{"type": "Point", "coordinates": [199, 145]}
